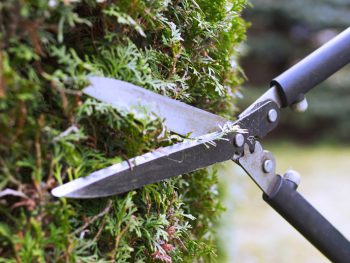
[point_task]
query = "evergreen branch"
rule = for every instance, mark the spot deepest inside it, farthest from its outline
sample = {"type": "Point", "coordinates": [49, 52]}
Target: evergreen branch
{"type": "Point", "coordinates": [91, 220]}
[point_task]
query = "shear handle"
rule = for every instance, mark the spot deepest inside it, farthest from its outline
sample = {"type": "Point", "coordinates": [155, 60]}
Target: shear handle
{"type": "Point", "coordinates": [308, 221]}
{"type": "Point", "coordinates": [294, 83]}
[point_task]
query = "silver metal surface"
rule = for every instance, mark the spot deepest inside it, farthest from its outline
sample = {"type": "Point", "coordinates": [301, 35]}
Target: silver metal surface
{"type": "Point", "coordinates": [292, 176]}
{"type": "Point", "coordinates": [252, 163]}
{"type": "Point", "coordinates": [268, 166]}
{"type": "Point", "coordinates": [270, 94]}
{"type": "Point", "coordinates": [300, 106]}
{"type": "Point", "coordinates": [239, 140]}
{"type": "Point", "coordinates": [272, 115]}
{"type": "Point", "coordinates": [151, 167]}
{"type": "Point", "coordinates": [178, 116]}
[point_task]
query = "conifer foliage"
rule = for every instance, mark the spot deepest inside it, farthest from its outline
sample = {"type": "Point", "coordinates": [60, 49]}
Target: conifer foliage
{"type": "Point", "coordinates": [51, 133]}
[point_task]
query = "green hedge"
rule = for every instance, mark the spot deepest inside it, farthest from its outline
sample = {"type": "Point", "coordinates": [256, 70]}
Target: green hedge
{"type": "Point", "coordinates": [51, 133]}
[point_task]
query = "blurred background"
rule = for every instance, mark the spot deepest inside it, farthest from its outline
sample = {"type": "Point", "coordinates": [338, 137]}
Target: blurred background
{"type": "Point", "coordinates": [283, 32]}
{"type": "Point", "coordinates": [315, 143]}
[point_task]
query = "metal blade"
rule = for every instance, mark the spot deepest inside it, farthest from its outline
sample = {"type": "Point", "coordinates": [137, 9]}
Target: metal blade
{"type": "Point", "coordinates": [151, 167]}
{"type": "Point", "coordinates": [178, 116]}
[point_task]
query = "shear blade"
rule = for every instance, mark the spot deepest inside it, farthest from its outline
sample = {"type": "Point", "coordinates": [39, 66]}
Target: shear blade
{"type": "Point", "coordinates": [178, 116]}
{"type": "Point", "coordinates": [149, 168]}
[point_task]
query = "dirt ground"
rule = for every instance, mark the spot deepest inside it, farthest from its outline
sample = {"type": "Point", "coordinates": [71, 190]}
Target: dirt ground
{"type": "Point", "coordinates": [252, 232]}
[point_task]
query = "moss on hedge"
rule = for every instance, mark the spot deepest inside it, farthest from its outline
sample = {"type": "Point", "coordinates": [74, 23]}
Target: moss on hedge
{"type": "Point", "coordinates": [52, 133]}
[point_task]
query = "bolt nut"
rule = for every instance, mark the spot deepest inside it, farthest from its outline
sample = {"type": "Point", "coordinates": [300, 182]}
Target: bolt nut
{"type": "Point", "coordinates": [239, 140]}
{"type": "Point", "coordinates": [292, 176]}
{"type": "Point", "coordinates": [268, 166]}
{"type": "Point", "coordinates": [272, 115]}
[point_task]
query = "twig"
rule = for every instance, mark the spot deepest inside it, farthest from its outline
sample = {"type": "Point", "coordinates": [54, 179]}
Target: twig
{"type": "Point", "coordinates": [100, 230]}
{"type": "Point", "coordinates": [2, 78]}
{"type": "Point", "coordinates": [94, 218]}
{"type": "Point", "coordinates": [70, 91]}
{"type": "Point", "coordinates": [7, 173]}
{"type": "Point", "coordinates": [12, 192]}
{"type": "Point", "coordinates": [118, 237]}
{"type": "Point", "coordinates": [117, 240]}
{"type": "Point", "coordinates": [68, 131]}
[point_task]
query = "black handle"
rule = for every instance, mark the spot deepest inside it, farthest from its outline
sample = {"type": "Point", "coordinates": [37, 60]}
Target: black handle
{"type": "Point", "coordinates": [308, 221]}
{"type": "Point", "coordinates": [313, 69]}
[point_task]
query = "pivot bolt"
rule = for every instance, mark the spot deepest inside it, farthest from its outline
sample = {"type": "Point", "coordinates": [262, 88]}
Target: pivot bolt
{"type": "Point", "coordinates": [239, 140]}
{"type": "Point", "coordinates": [268, 166]}
{"type": "Point", "coordinates": [292, 176]}
{"type": "Point", "coordinates": [272, 115]}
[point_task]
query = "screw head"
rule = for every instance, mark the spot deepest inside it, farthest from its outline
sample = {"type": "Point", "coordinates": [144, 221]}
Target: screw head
{"type": "Point", "coordinates": [239, 140]}
{"type": "Point", "coordinates": [272, 115]}
{"type": "Point", "coordinates": [268, 166]}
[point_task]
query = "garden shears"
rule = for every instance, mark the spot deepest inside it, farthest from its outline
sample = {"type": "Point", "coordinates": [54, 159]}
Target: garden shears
{"type": "Point", "coordinates": [212, 139]}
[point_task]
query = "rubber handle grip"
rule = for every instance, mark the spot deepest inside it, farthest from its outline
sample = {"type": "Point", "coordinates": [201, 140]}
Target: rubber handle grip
{"type": "Point", "coordinates": [309, 222]}
{"type": "Point", "coordinates": [315, 68]}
